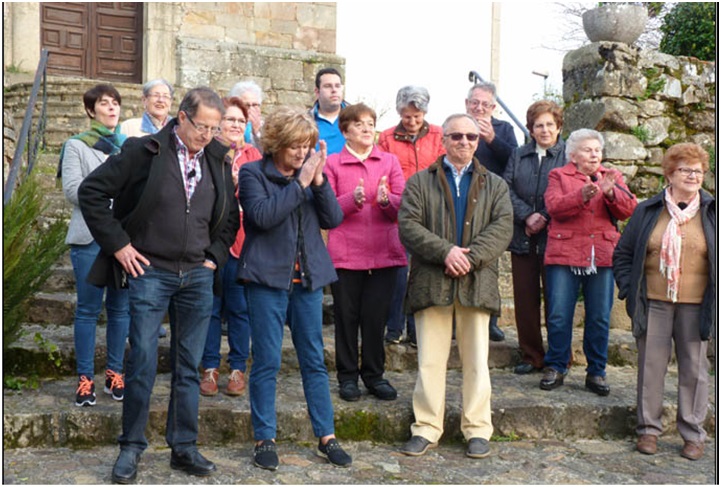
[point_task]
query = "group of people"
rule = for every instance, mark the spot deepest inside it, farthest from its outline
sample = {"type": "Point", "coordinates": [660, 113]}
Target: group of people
{"type": "Point", "coordinates": [221, 214]}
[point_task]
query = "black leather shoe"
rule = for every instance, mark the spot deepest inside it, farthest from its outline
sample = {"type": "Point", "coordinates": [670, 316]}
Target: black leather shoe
{"type": "Point", "coordinates": [192, 462]}
{"type": "Point", "coordinates": [383, 390]}
{"type": "Point", "coordinates": [126, 467]}
{"type": "Point", "coordinates": [349, 391]}
{"type": "Point", "coordinates": [524, 368]}
{"type": "Point", "coordinates": [551, 379]}
{"type": "Point", "coordinates": [598, 385]}
{"type": "Point", "coordinates": [495, 334]}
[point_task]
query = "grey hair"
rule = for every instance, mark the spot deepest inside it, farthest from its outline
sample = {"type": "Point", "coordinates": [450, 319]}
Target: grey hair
{"type": "Point", "coordinates": [248, 85]}
{"type": "Point", "coordinates": [457, 116]}
{"type": "Point", "coordinates": [201, 96]}
{"type": "Point", "coordinates": [578, 136]}
{"type": "Point", "coordinates": [485, 86]}
{"type": "Point", "coordinates": [412, 95]}
{"type": "Point", "coordinates": [155, 82]}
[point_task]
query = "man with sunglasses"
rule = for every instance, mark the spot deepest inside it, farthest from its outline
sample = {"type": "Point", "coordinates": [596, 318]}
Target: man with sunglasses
{"type": "Point", "coordinates": [494, 147]}
{"type": "Point", "coordinates": [455, 219]}
{"type": "Point", "coordinates": [164, 214]}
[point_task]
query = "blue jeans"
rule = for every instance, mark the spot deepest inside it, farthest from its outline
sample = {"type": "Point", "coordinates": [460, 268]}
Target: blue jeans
{"type": "Point", "coordinates": [269, 308]}
{"type": "Point", "coordinates": [234, 307]}
{"type": "Point", "coordinates": [563, 287]}
{"type": "Point", "coordinates": [188, 300]}
{"type": "Point", "coordinates": [397, 319]}
{"type": "Point", "coordinates": [87, 310]}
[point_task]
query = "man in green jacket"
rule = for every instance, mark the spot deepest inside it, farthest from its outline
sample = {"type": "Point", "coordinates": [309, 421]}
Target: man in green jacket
{"type": "Point", "coordinates": [455, 219]}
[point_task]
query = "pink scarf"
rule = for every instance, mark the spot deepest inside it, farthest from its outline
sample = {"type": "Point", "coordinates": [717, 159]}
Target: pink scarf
{"type": "Point", "coordinates": [671, 242]}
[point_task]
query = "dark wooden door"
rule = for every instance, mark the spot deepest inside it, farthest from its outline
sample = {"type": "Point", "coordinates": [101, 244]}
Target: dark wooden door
{"type": "Point", "coordinates": [100, 40]}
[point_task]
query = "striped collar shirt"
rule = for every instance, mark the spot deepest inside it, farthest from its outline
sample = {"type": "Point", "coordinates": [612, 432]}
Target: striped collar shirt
{"type": "Point", "coordinates": [189, 166]}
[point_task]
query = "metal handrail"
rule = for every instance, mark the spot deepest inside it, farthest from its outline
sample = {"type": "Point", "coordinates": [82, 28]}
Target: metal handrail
{"type": "Point", "coordinates": [474, 77]}
{"type": "Point", "coordinates": [25, 136]}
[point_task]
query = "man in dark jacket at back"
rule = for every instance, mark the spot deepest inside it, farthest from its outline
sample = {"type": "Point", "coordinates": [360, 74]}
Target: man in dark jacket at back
{"type": "Point", "coordinates": [494, 147]}
{"type": "Point", "coordinates": [164, 214]}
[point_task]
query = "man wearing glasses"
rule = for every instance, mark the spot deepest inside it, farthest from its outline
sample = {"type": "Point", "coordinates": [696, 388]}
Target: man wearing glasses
{"type": "Point", "coordinates": [455, 219]}
{"type": "Point", "coordinates": [164, 214]}
{"type": "Point", "coordinates": [494, 148]}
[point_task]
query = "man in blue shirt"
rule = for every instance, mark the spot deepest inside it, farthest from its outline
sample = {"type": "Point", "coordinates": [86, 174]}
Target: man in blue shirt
{"type": "Point", "coordinates": [329, 102]}
{"type": "Point", "coordinates": [494, 147]}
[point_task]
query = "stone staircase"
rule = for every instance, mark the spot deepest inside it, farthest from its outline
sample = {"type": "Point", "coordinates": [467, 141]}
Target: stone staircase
{"type": "Point", "coordinates": [47, 417]}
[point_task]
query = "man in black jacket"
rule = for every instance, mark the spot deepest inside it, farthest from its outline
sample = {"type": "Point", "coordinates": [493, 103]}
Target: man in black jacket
{"type": "Point", "coordinates": [164, 214]}
{"type": "Point", "coordinates": [494, 147]}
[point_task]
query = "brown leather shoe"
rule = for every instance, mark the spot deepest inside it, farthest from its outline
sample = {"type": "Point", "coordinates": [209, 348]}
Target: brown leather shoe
{"type": "Point", "coordinates": [236, 383]}
{"type": "Point", "coordinates": [692, 450]}
{"type": "Point", "coordinates": [209, 383]}
{"type": "Point", "coordinates": [647, 444]}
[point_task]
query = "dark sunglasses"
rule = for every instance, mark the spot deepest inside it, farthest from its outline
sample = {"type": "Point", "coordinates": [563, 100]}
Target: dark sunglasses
{"type": "Point", "coordinates": [456, 136]}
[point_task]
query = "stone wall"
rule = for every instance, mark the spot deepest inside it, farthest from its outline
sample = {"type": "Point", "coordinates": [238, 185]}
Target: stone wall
{"type": "Point", "coordinates": [643, 102]}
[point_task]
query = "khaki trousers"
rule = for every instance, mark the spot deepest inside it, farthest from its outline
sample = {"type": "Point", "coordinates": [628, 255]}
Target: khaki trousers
{"type": "Point", "coordinates": [434, 332]}
{"type": "Point", "coordinates": [677, 323]}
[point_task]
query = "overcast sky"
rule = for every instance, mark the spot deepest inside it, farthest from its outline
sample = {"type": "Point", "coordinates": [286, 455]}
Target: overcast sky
{"type": "Point", "coordinates": [392, 43]}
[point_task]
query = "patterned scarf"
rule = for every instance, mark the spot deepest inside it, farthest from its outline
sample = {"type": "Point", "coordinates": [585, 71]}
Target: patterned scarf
{"type": "Point", "coordinates": [99, 137]}
{"type": "Point", "coordinates": [671, 242]}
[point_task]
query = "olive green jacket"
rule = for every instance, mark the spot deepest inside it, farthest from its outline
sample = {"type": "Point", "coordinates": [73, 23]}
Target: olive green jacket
{"type": "Point", "coordinates": [428, 231]}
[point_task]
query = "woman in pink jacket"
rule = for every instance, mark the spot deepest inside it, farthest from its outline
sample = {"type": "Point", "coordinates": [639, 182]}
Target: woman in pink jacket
{"type": "Point", "coordinates": [366, 251]}
{"type": "Point", "coordinates": [584, 201]}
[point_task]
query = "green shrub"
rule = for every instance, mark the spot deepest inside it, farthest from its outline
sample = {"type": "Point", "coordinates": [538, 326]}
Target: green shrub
{"type": "Point", "coordinates": [689, 29]}
{"type": "Point", "coordinates": [30, 248]}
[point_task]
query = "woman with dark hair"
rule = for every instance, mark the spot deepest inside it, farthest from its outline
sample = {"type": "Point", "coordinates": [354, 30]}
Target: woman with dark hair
{"type": "Point", "coordinates": [665, 269]}
{"type": "Point", "coordinates": [366, 251]}
{"type": "Point", "coordinates": [284, 264]}
{"type": "Point", "coordinates": [232, 303]}
{"type": "Point", "coordinates": [584, 200]}
{"type": "Point", "coordinates": [80, 155]}
{"type": "Point", "coordinates": [527, 177]}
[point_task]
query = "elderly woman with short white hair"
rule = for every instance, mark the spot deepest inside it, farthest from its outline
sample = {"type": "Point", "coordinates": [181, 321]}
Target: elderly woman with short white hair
{"type": "Point", "coordinates": [156, 100]}
{"type": "Point", "coordinates": [584, 200]}
{"type": "Point", "coordinates": [417, 144]}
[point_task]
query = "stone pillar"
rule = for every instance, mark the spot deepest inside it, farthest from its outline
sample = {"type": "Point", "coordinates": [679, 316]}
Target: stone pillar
{"type": "Point", "coordinates": [160, 21]}
{"type": "Point", "coordinates": [22, 40]}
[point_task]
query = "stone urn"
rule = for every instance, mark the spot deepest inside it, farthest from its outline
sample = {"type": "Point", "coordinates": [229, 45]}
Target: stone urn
{"type": "Point", "coordinates": [615, 22]}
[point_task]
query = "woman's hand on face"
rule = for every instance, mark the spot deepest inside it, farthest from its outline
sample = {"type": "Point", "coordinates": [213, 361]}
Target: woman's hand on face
{"type": "Point", "coordinates": [359, 194]}
{"type": "Point", "coordinates": [383, 191]}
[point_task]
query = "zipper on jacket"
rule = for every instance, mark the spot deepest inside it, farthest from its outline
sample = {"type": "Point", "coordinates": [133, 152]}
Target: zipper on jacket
{"type": "Point", "coordinates": [185, 234]}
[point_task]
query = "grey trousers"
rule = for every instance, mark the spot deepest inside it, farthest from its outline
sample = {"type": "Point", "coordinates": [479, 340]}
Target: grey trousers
{"type": "Point", "coordinates": [679, 323]}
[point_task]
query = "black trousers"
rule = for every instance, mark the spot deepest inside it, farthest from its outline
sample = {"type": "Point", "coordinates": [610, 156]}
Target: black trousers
{"type": "Point", "coordinates": [361, 300]}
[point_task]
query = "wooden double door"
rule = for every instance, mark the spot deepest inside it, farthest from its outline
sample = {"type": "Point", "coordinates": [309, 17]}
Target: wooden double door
{"type": "Point", "coordinates": [100, 40]}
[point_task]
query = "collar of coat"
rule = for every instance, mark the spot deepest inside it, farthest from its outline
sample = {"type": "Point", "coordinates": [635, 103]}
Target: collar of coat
{"type": "Point", "coordinates": [164, 138]}
{"type": "Point", "coordinates": [401, 134]}
{"type": "Point", "coordinates": [530, 148]}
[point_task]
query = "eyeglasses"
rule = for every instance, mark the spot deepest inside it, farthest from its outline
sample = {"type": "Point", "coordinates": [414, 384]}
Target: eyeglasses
{"type": "Point", "coordinates": [484, 104]}
{"type": "Point", "coordinates": [457, 136]}
{"type": "Point", "coordinates": [253, 105]}
{"type": "Point", "coordinates": [687, 171]}
{"type": "Point", "coordinates": [160, 96]}
{"type": "Point", "coordinates": [233, 121]}
{"type": "Point", "coordinates": [203, 129]}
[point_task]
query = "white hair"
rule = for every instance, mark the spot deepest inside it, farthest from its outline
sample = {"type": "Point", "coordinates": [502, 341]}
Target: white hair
{"type": "Point", "coordinates": [249, 85]}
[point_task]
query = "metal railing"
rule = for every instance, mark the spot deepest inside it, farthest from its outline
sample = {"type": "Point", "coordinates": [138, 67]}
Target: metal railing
{"type": "Point", "coordinates": [474, 77]}
{"type": "Point", "coordinates": [26, 137]}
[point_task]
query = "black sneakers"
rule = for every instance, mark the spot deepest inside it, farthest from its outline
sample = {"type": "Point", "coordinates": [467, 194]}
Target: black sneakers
{"type": "Point", "coordinates": [85, 393]}
{"type": "Point", "coordinates": [114, 385]}
{"type": "Point", "coordinates": [265, 455]}
{"type": "Point", "coordinates": [334, 453]}
{"type": "Point", "coordinates": [349, 391]}
{"type": "Point", "coordinates": [383, 390]}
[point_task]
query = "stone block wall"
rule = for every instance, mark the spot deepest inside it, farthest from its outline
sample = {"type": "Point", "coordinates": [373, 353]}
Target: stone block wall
{"type": "Point", "coordinates": [643, 102]}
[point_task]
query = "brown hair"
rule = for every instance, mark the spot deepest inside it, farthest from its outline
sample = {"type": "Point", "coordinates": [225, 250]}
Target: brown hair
{"type": "Point", "coordinates": [687, 152]}
{"type": "Point", "coordinates": [234, 101]}
{"type": "Point", "coordinates": [353, 113]}
{"type": "Point", "coordinates": [539, 108]}
{"type": "Point", "coordinates": [287, 126]}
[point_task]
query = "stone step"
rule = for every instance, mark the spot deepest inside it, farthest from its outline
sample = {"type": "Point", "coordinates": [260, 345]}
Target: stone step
{"type": "Point", "coordinates": [46, 417]}
{"type": "Point", "coordinates": [26, 357]}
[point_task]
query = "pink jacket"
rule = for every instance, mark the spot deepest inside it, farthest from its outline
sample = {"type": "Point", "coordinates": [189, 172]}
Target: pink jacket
{"type": "Point", "coordinates": [576, 226]}
{"type": "Point", "coordinates": [413, 156]}
{"type": "Point", "coordinates": [368, 236]}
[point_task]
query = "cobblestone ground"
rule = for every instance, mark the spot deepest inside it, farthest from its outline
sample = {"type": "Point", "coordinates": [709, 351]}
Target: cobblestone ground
{"type": "Point", "coordinates": [517, 462]}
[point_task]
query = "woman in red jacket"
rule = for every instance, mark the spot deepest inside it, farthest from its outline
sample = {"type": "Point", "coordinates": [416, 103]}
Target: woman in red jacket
{"type": "Point", "coordinates": [366, 251]}
{"type": "Point", "coordinates": [417, 144]}
{"type": "Point", "coordinates": [584, 201]}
